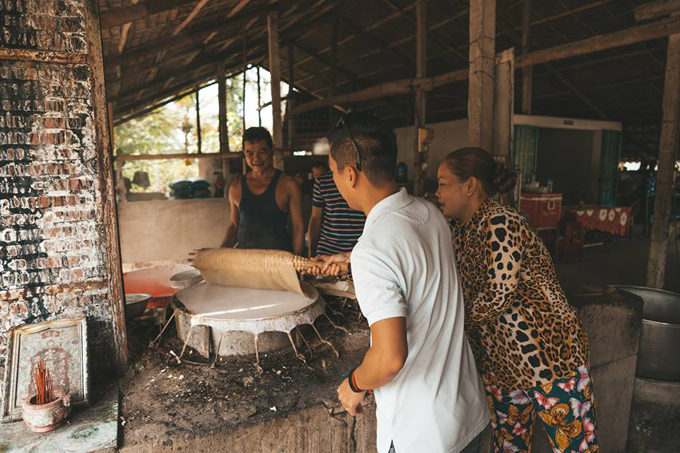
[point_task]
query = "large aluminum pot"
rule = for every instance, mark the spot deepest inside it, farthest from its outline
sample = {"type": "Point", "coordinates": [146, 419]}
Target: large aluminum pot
{"type": "Point", "coordinates": [660, 342]}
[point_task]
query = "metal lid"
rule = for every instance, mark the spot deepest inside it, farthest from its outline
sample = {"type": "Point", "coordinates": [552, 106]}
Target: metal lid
{"type": "Point", "coordinates": [186, 279]}
{"type": "Point", "coordinates": [136, 297]}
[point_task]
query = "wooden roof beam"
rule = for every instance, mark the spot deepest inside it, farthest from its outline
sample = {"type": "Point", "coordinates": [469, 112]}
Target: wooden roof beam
{"type": "Point", "coordinates": [211, 59]}
{"type": "Point", "coordinates": [630, 65]}
{"type": "Point", "coordinates": [187, 20]}
{"type": "Point", "coordinates": [346, 73]}
{"type": "Point", "coordinates": [169, 94]}
{"type": "Point", "coordinates": [373, 26]}
{"type": "Point", "coordinates": [199, 6]}
{"type": "Point", "coordinates": [119, 16]}
{"type": "Point", "coordinates": [599, 43]}
{"type": "Point", "coordinates": [173, 74]}
{"type": "Point", "coordinates": [376, 39]}
{"type": "Point", "coordinates": [458, 49]}
{"type": "Point", "coordinates": [569, 12]}
{"type": "Point", "coordinates": [433, 34]}
{"type": "Point", "coordinates": [399, 42]}
{"type": "Point", "coordinates": [195, 35]}
{"type": "Point", "coordinates": [656, 9]}
{"type": "Point", "coordinates": [552, 70]}
{"type": "Point", "coordinates": [389, 69]}
{"type": "Point", "coordinates": [586, 46]}
{"type": "Point", "coordinates": [177, 91]}
{"type": "Point", "coordinates": [605, 86]}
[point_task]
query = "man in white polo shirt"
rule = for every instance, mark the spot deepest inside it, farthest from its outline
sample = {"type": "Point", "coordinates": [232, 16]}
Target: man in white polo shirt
{"type": "Point", "coordinates": [429, 396]}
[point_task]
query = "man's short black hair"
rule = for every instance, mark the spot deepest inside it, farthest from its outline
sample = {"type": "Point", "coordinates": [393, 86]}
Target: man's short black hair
{"type": "Point", "coordinates": [319, 165]}
{"type": "Point", "coordinates": [255, 134]}
{"type": "Point", "coordinates": [376, 142]}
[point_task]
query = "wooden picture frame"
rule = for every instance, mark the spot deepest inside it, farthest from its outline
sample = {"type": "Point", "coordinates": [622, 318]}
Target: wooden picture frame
{"type": "Point", "coordinates": [62, 344]}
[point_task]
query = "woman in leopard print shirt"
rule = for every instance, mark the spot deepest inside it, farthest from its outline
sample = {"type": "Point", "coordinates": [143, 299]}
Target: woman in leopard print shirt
{"type": "Point", "coordinates": [529, 343]}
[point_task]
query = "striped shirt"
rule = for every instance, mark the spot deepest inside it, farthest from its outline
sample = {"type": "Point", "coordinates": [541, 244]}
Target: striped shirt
{"type": "Point", "coordinates": [341, 226]}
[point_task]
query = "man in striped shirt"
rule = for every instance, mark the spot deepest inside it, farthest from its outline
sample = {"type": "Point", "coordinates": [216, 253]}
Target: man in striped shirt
{"type": "Point", "coordinates": [333, 227]}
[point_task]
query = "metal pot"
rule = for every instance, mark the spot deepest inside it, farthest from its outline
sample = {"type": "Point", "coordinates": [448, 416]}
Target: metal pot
{"type": "Point", "coordinates": [658, 355]}
{"type": "Point", "coordinates": [135, 304]}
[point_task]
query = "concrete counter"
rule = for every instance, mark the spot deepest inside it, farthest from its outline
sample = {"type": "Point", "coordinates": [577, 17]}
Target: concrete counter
{"type": "Point", "coordinates": [293, 408]}
{"type": "Point", "coordinates": [290, 407]}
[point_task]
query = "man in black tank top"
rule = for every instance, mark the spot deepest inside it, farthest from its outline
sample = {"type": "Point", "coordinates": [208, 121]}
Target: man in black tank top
{"type": "Point", "coordinates": [261, 201]}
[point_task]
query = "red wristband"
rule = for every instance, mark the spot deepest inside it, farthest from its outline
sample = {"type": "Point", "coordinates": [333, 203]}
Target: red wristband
{"type": "Point", "coordinates": [353, 383]}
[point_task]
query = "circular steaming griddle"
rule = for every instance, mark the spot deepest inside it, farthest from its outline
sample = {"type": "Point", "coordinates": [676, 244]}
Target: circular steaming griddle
{"type": "Point", "coordinates": [250, 310]}
{"type": "Point", "coordinates": [230, 311]}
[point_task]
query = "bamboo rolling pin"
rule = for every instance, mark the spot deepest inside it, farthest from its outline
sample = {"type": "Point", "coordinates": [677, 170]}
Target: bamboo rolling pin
{"type": "Point", "coordinates": [253, 268]}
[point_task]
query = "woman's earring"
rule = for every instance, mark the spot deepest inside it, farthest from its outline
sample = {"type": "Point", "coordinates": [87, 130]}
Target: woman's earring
{"type": "Point", "coordinates": [469, 194]}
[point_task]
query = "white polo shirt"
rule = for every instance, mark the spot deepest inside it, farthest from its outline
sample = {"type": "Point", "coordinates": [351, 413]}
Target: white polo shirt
{"type": "Point", "coordinates": [403, 266]}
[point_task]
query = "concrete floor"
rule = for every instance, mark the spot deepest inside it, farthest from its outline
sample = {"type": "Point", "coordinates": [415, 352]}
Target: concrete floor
{"type": "Point", "coordinates": [622, 262]}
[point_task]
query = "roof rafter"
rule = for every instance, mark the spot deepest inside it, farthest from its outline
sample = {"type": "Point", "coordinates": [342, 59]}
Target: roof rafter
{"type": "Point", "coordinates": [194, 35]}
{"type": "Point", "coordinates": [433, 33]}
{"type": "Point", "coordinates": [209, 59]}
{"type": "Point", "coordinates": [119, 16]}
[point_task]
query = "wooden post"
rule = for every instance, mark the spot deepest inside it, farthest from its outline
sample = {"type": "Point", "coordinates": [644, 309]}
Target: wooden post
{"type": "Point", "coordinates": [222, 122]}
{"type": "Point", "coordinates": [119, 185]}
{"type": "Point", "coordinates": [222, 103]}
{"type": "Point", "coordinates": [527, 72]}
{"type": "Point", "coordinates": [420, 158]}
{"type": "Point", "coordinates": [245, 73]}
{"type": "Point", "coordinates": [109, 111]}
{"type": "Point", "coordinates": [333, 71]}
{"type": "Point", "coordinates": [290, 102]}
{"type": "Point", "coordinates": [421, 60]}
{"type": "Point", "coordinates": [275, 70]}
{"type": "Point", "coordinates": [259, 99]}
{"type": "Point", "coordinates": [504, 104]}
{"type": "Point", "coordinates": [113, 278]}
{"type": "Point", "coordinates": [670, 132]}
{"type": "Point", "coordinates": [198, 122]}
{"type": "Point", "coordinates": [482, 68]}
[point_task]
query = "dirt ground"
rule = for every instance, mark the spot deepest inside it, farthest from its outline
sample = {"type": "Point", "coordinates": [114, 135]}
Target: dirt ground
{"type": "Point", "coordinates": [163, 399]}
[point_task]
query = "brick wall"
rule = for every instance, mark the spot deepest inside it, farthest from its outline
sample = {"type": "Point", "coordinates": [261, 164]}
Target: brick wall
{"type": "Point", "coordinates": [54, 246]}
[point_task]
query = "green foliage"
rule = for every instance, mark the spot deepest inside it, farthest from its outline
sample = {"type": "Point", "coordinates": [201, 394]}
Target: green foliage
{"type": "Point", "coordinates": [171, 129]}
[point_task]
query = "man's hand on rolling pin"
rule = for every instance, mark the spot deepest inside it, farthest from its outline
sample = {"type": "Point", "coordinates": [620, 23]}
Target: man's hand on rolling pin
{"type": "Point", "coordinates": [330, 264]}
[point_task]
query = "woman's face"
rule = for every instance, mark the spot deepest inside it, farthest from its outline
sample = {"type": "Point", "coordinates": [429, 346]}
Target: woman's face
{"type": "Point", "coordinates": [452, 193]}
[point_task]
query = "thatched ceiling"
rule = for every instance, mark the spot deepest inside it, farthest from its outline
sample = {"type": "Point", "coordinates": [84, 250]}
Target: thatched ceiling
{"type": "Point", "coordinates": [169, 51]}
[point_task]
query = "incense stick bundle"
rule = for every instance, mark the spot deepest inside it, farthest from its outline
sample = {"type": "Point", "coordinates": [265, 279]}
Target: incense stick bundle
{"type": "Point", "coordinates": [44, 390]}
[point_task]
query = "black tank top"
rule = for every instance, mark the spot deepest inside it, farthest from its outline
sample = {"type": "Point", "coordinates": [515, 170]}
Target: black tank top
{"type": "Point", "coordinates": [262, 224]}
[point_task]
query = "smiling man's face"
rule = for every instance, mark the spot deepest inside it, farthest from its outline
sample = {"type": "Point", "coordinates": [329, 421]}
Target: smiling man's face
{"type": "Point", "coordinates": [258, 155]}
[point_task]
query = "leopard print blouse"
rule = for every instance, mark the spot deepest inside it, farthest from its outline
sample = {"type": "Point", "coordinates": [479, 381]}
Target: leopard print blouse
{"type": "Point", "coordinates": [522, 330]}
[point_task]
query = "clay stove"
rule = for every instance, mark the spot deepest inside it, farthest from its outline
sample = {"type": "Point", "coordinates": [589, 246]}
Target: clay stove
{"type": "Point", "coordinates": [223, 316]}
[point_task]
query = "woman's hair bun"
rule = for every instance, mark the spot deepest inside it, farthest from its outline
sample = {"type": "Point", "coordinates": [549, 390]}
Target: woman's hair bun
{"type": "Point", "coordinates": [494, 177]}
{"type": "Point", "coordinates": [504, 180]}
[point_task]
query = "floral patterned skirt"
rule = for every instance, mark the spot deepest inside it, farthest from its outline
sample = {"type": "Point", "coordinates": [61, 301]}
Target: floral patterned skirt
{"type": "Point", "coordinates": [565, 406]}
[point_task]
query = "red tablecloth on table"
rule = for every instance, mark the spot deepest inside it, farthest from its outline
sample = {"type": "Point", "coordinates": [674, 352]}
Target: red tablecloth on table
{"type": "Point", "coordinates": [610, 219]}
